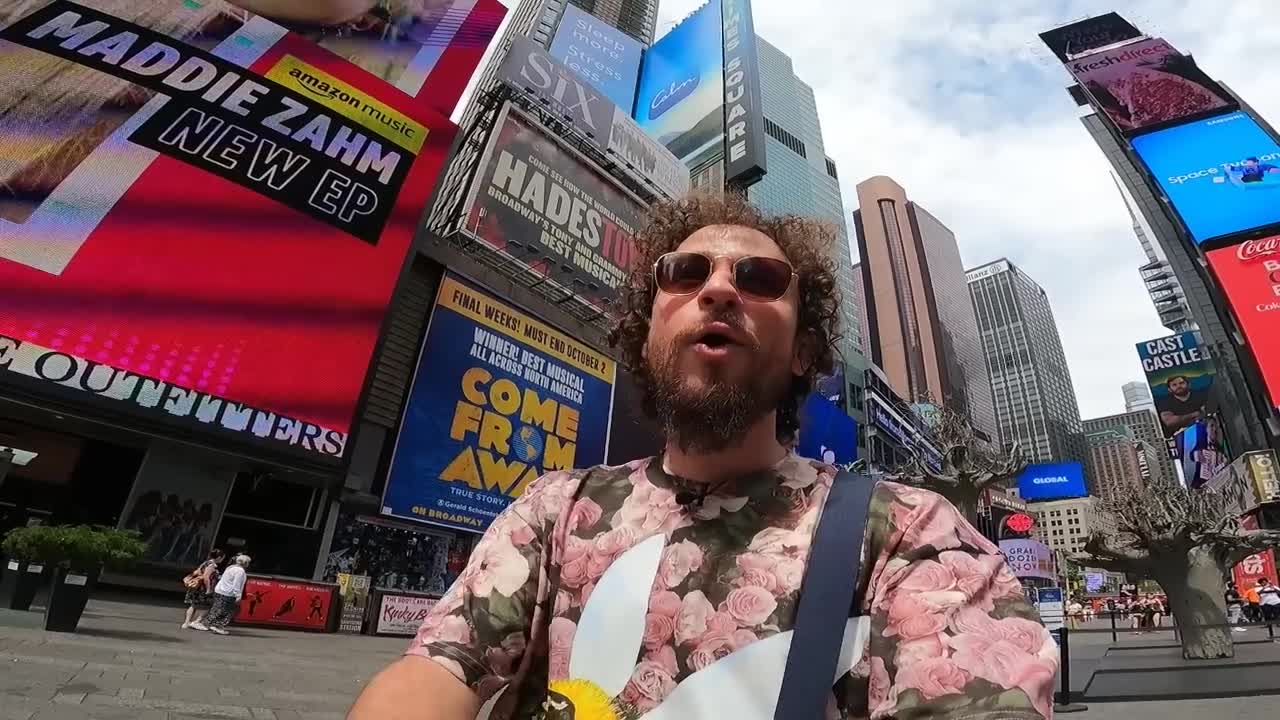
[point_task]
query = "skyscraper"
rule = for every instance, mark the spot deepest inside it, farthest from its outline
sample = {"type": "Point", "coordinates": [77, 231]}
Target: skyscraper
{"type": "Point", "coordinates": [802, 180]}
{"type": "Point", "coordinates": [1035, 402]}
{"type": "Point", "coordinates": [1119, 464]}
{"type": "Point", "coordinates": [1137, 396]}
{"type": "Point", "coordinates": [920, 326]}
{"type": "Point", "coordinates": [1143, 427]}
{"type": "Point", "coordinates": [860, 309]}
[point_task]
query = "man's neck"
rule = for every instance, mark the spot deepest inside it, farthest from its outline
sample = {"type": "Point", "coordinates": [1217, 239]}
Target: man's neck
{"type": "Point", "coordinates": [757, 450]}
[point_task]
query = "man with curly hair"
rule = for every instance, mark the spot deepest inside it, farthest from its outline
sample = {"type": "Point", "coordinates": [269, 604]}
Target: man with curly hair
{"type": "Point", "coordinates": [667, 587]}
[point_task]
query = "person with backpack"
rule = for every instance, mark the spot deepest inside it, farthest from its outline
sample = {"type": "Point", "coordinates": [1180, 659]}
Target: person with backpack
{"type": "Point", "coordinates": [199, 584]}
{"type": "Point", "coordinates": [728, 576]}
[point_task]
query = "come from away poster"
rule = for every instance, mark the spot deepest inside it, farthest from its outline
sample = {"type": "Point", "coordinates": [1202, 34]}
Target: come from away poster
{"type": "Point", "coordinates": [499, 399]}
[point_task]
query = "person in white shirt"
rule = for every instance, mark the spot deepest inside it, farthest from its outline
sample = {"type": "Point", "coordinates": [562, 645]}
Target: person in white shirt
{"type": "Point", "coordinates": [1270, 596]}
{"type": "Point", "coordinates": [226, 597]}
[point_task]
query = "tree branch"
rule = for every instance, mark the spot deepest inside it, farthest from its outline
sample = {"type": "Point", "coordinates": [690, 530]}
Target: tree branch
{"type": "Point", "coordinates": [1240, 545]}
{"type": "Point", "coordinates": [1102, 551]}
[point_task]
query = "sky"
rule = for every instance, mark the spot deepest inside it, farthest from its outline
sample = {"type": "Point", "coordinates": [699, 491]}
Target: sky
{"type": "Point", "coordinates": [962, 105]}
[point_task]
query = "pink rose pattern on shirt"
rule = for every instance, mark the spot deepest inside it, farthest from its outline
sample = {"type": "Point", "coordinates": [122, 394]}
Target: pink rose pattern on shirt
{"type": "Point", "coordinates": [952, 633]}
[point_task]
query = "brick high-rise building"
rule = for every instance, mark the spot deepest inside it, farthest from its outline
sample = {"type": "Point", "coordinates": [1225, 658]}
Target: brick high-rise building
{"type": "Point", "coordinates": [1144, 427]}
{"type": "Point", "coordinates": [1119, 464]}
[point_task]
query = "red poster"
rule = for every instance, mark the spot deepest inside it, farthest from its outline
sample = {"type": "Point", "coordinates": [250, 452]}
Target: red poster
{"type": "Point", "coordinates": [1254, 568]}
{"type": "Point", "coordinates": [1249, 274]}
{"type": "Point", "coordinates": [204, 209]}
{"type": "Point", "coordinates": [285, 604]}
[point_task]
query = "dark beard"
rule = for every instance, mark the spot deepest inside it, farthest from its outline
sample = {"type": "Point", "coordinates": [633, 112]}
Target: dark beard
{"type": "Point", "coordinates": [716, 417]}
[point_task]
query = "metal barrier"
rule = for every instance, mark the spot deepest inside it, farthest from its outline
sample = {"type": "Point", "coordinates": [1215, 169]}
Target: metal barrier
{"type": "Point", "coordinates": [1064, 695]}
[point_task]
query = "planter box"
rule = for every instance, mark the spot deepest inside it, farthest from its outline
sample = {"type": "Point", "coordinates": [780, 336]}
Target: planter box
{"type": "Point", "coordinates": [68, 595]}
{"type": "Point", "coordinates": [20, 582]}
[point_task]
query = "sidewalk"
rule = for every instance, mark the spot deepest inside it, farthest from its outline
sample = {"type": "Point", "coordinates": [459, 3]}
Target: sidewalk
{"type": "Point", "coordinates": [134, 661]}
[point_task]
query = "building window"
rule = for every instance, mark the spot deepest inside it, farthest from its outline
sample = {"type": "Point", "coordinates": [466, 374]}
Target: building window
{"type": "Point", "coordinates": [831, 170]}
{"type": "Point", "coordinates": [793, 143]}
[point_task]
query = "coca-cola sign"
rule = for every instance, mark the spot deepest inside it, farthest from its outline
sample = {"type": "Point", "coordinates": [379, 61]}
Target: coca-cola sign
{"type": "Point", "coordinates": [1250, 249]}
{"type": "Point", "coordinates": [403, 614]}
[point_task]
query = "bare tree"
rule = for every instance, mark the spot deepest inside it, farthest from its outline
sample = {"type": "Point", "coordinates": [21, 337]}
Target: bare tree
{"type": "Point", "coordinates": [1187, 541]}
{"type": "Point", "coordinates": [969, 464]}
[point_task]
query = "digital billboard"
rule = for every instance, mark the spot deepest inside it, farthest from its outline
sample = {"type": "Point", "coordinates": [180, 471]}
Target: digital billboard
{"type": "Point", "coordinates": [1221, 174]}
{"type": "Point", "coordinates": [1180, 373]}
{"type": "Point", "coordinates": [1202, 447]}
{"type": "Point", "coordinates": [826, 433]}
{"type": "Point", "coordinates": [498, 400]}
{"type": "Point", "coordinates": [549, 209]}
{"type": "Point", "coordinates": [601, 54]}
{"type": "Point", "coordinates": [1147, 83]}
{"type": "Point", "coordinates": [1028, 558]}
{"type": "Point", "coordinates": [529, 69]}
{"type": "Point", "coordinates": [680, 100]}
{"type": "Point", "coordinates": [1052, 481]}
{"type": "Point", "coordinates": [1249, 275]}
{"type": "Point", "coordinates": [1088, 34]}
{"type": "Point", "coordinates": [187, 191]}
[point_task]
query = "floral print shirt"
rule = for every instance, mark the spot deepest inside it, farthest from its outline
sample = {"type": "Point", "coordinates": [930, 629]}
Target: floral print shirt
{"type": "Point", "coordinates": [596, 596]}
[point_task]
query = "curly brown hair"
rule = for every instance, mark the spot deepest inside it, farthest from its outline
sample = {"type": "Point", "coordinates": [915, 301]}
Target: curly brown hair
{"type": "Point", "coordinates": [805, 242]}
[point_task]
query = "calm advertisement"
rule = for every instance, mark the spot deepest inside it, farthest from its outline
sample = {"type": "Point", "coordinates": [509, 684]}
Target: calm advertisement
{"type": "Point", "coordinates": [1249, 275]}
{"type": "Point", "coordinates": [601, 54]}
{"type": "Point", "coordinates": [186, 191]}
{"type": "Point", "coordinates": [1147, 83]}
{"type": "Point", "coordinates": [544, 206]}
{"type": "Point", "coordinates": [681, 96]}
{"type": "Point", "coordinates": [499, 399]}
{"type": "Point", "coordinates": [1222, 174]}
{"type": "Point", "coordinates": [1180, 373]}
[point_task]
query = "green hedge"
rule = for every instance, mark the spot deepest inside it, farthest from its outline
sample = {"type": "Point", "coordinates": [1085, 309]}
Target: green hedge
{"type": "Point", "coordinates": [78, 547]}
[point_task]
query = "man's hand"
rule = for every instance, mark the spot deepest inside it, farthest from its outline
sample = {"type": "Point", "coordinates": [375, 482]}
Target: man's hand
{"type": "Point", "coordinates": [415, 688]}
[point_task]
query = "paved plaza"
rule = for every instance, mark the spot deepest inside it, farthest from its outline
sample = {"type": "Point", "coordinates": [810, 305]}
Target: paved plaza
{"type": "Point", "coordinates": [132, 660]}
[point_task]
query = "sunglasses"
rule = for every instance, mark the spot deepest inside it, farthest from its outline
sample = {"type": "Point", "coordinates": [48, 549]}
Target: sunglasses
{"type": "Point", "coordinates": [757, 278]}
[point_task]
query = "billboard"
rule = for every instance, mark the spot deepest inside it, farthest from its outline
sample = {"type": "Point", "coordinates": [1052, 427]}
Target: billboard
{"type": "Point", "coordinates": [1028, 558]}
{"type": "Point", "coordinates": [284, 603]}
{"type": "Point", "coordinates": [187, 190]}
{"type": "Point", "coordinates": [498, 400]}
{"type": "Point", "coordinates": [826, 432]}
{"type": "Point", "coordinates": [744, 152]}
{"type": "Point", "coordinates": [1180, 373]}
{"type": "Point", "coordinates": [599, 53]}
{"type": "Point", "coordinates": [1249, 275]}
{"type": "Point", "coordinates": [1085, 35]}
{"type": "Point", "coordinates": [1052, 481]}
{"type": "Point", "coordinates": [530, 69]}
{"type": "Point", "coordinates": [1202, 447]}
{"type": "Point", "coordinates": [1221, 174]}
{"type": "Point", "coordinates": [1147, 83]}
{"type": "Point", "coordinates": [552, 211]}
{"type": "Point", "coordinates": [680, 100]}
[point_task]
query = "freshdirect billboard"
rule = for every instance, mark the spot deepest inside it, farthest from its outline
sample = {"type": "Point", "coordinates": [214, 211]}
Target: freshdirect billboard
{"type": "Point", "coordinates": [681, 96]}
{"type": "Point", "coordinates": [1180, 373]}
{"type": "Point", "coordinates": [601, 54]}
{"type": "Point", "coordinates": [499, 399]}
{"type": "Point", "coordinates": [1147, 83]}
{"type": "Point", "coordinates": [549, 209]}
{"type": "Point", "coordinates": [1221, 174]}
{"type": "Point", "coordinates": [203, 215]}
{"type": "Point", "coordinates": [1051, 481]}
{"type": "Point", "coordinates": [1249, 275]}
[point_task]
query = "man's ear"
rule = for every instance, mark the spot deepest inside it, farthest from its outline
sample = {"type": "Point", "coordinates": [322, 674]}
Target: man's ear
{"type": "Point", "coordinates": [803, 357]}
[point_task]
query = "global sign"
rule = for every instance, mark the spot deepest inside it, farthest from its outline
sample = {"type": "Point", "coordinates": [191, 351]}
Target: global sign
{"type": "Point", "coordinates": [1050, 481]}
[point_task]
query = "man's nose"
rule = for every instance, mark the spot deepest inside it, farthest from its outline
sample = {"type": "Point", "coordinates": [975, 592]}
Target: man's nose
{"type": "Point", "coordinates": [719, 290]}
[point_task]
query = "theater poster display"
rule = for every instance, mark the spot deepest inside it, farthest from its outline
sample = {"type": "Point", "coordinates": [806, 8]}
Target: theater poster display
{"type": "Point", "coordinates": [1180, 373]}
{"type": "Point", "coordinates": [544, 205]}
{"type": "Point", "coordinates": [498, 400]}
{"type": "Point", "coordinates": [1028, 558]}
{"type": "Point", "coordinates": [187, 190]}
{"type": "Point", "coordinates": [1147, 83]}
{"type": "Point", "coordinates": [1222, 174]}
{"type": "Point", "coordinates": [287, 603]}
{"type": "Point", "coordinates": [1249, 275]}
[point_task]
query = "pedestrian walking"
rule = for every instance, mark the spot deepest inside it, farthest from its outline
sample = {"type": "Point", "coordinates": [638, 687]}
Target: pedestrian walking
{"type": "Point", "coordinates": [199, 584]}
{"type": "Point", "coordinates": [727, 318]}
{"type": "Point", "coordinates": [1235, 607]}
{"type": "Point", "coordinates": [1074, 612]}
{"type": "Point", "coordinates": [1269, 596]}
{"type": "Point", "coordinates": [226, 597]}
{"type": "Point", "coordinates": [1253, 604]}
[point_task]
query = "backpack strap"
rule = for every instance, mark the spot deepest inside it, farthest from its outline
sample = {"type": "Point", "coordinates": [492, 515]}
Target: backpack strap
{"type": "Point", "coordinates": [826, 599]}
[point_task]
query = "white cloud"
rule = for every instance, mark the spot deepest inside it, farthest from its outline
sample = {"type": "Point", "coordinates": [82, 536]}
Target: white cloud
{"type": "Point", "coordinates": [961, 103]}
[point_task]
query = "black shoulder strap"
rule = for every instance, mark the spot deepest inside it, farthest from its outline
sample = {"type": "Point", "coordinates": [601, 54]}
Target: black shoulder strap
{"type": "Point", "coordinates": [826, 596]}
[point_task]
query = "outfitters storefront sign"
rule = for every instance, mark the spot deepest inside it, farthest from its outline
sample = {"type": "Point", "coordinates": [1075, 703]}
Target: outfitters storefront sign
{"type": "Point", "coordinates": [499, 399]}
{"type": "Point", "coordinates": [187, 190]}
{"type": "Point", "coordinates": [1249, 274]}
